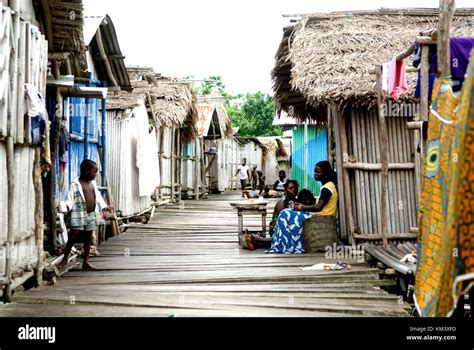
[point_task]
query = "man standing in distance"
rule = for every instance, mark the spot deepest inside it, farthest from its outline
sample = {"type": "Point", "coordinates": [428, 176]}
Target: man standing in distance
{"type": "Point", "coordinates": [243, 171]}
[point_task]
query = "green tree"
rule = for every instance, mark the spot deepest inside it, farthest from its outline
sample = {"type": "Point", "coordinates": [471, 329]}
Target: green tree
{"type": "Point", "coordinates": [213, 84]}
{"type": "Point", "coordinates": [254, 116]}
{"type": "Point", "coordinates": [252, 113]}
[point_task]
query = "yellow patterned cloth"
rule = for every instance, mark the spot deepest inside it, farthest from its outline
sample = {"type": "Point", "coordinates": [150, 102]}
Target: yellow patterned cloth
{"type": "Point", "coordinates": [446, 235]}
{"type": "Point", "coordinates": [460, 220]}
{"type": "Point", "coordinates": [434, 250]}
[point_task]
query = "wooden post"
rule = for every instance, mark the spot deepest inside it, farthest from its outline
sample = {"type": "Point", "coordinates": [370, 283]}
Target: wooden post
{"type": "Point", "coordinates": [20, 84]}
{"type": "Point", "coordinates": [342, 214]}
{"type": "Point", "coordinates": [329, 136]}
{"type": "Point", "coordinates": [197, 171]}
{"type": "Point", "coordinates": [202, 157]}
{"type": "Point", "coordinates": [341, 122]}
{"type": "Point", "coordinates": [160, 155]}
{"type": "Point", "coordinates": [424, 88]}
{"type": "Point", "coordinates": [383, 154]}
{"type": "Point", "coordinates": [16, 125]}
{"type": "Point", "coordinates": [38, 214]}
{"type": "Point", "coordinates": [446, 11]}
{"type": "Point", "coordinates": [178, 164]}
{"type": "Point", "coordinates": [305, 155]}
{"type": "Point", "coordinates": [11, 218]}
{"type": "Point", "coordinates": [28, 78]}
{"type": "Point", "coordinates": [172, 160]}
{"type": "Point", "coordinates": [105, 58]}
{"type": "Point", "coordinates": [54, 152]}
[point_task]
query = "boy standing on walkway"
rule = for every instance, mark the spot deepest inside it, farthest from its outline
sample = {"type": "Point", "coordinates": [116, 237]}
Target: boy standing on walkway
{"type": "Point", "coordinates": [86, 204]}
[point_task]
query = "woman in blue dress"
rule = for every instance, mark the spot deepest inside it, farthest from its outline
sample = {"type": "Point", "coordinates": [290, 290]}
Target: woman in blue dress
{"type": "Point", "coordinates": [288, 236]}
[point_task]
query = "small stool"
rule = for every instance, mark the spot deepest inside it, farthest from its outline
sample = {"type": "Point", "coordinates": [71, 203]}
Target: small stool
{"type": "Point", "coordinates": [256, 209]}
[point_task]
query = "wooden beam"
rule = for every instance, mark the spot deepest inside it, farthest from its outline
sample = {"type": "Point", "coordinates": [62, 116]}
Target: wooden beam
{"type": "Point", "coordinates": [58, 55]}
{"type": "Point", "coordinates": [446, 11]}
{"type": "Point", "coordinates": [330, 135]}
{"type": "Point", "coordinates": [39, 233]}
{"type": "Point", "coordinates": [48, 24]}
{"type": "Point", "coordinates": [343, 210]}
{"type": "Point", "coordinates": [10, 216]}
{"type": "Point", "coordinates": [417, 125]}
{"type": "Point", "coordinates": [425, 40]}
{"type": "Point", "coordinates": [103, 54]}
{"type": "Point", "coordinates": [407, 53]}
{"type": "Point", "coordinates": [392, 236]}
{"type": "Point", "coordinates": [54, 152]}
{"type": "Point", "coordinates": [346, 179]}
{"type": "Point", "coordinates": [407, 70]}
{"type": "Point", "coordinates": [383, 154]}
{"type": "Point", "coordinates": [378, 166]}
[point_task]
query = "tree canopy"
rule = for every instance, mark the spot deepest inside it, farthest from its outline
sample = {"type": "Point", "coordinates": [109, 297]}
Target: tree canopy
{"type": "Point", "coordinates": [252, 113]}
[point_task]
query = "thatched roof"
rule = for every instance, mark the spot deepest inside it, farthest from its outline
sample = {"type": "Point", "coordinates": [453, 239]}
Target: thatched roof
{"type": "Point", "coordinates": [62, 23]}
{"type": "Point", "coordinates": [224, 120]}
{"type": "Point", "coordinates": [274, 146]}
{"type": "Point", "coordinates": [173, 102]}
{"type": "Point", "coordinates": [325, 58]}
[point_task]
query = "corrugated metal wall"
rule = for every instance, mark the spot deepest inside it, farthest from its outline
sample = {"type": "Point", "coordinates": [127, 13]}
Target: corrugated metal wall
{"type": "Point", "coordinates": [226, 162]}
{"type": "Point", "coordinates": [122, 171]}
{"type": "Point", "coordinates": [23, 59]}
{"type": "Point", "coordinates": [364, 144]}
{"type": "Point", "coordinates": [316, 150]}
{"type": "Point", "coordinates": [191, 166]}
{"type": "Point", "coordinates": [23, 252]}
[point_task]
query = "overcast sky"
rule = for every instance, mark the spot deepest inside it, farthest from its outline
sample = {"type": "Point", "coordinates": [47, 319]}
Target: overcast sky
{"type": "Point", "coordinates": [234, 39]}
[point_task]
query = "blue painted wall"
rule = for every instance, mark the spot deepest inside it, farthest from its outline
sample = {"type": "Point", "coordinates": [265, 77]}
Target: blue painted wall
{"type": "Point", "coordinates": [317, 151]}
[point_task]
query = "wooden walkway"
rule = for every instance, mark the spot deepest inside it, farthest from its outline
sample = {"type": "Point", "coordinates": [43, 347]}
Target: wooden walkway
{"type": "Point", "coordinates": [187, 262]}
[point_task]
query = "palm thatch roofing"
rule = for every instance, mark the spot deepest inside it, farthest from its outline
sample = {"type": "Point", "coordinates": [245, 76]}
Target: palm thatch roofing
{"type": "Point", "coordinates": [325, 58]}
{"type": "Point", "coordinates": [170, 102]}
{"type": "Point", "coordinates": [62, 22]}
{"type": "Point", "coordinates": [219, 104]}
{"type": "Point", "coordinates": [274, 146]}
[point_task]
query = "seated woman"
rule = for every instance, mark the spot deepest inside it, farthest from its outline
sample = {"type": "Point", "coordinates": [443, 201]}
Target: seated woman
{"type": "Point", "coordinates": [288, 237]}
{"type": "Point", "coordinates": [291, 189]}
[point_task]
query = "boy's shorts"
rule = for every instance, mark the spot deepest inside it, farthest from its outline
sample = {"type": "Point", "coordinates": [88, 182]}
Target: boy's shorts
{"type": "Point", "coordinates": [91, 223]}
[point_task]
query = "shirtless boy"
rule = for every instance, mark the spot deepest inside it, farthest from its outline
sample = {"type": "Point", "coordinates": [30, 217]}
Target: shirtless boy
{"type": "Point", "coordinates": [85, 203]}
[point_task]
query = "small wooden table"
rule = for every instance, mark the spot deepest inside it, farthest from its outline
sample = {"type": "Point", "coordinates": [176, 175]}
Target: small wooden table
{"type": "Point", "coordinates": [246, 208]}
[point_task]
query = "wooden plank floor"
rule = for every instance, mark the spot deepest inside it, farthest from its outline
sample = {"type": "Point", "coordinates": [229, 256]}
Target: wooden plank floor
{"type": "Point", "coordinates": [186, 262]}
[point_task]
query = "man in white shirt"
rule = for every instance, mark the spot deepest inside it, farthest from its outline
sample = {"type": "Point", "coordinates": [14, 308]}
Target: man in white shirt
{"type": "Point", "coordinates": [243, 171]}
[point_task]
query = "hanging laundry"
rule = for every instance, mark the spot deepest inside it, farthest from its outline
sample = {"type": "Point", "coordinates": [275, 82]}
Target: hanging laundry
{"type": "Point", "coordinates": [36, 110]}
{"type": "Point", "coordinates": [397, 81]}
{"type": "Point", "coordinates": [435, 248]}
{"type": "Point", "coordinates": [431, 72]}
{"type": "Point", "coordinates": [460, 49]}
{"type": "Point", "coordinates": [64, 140]}
{"type": "Point", "coordinates": [460, 214]}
